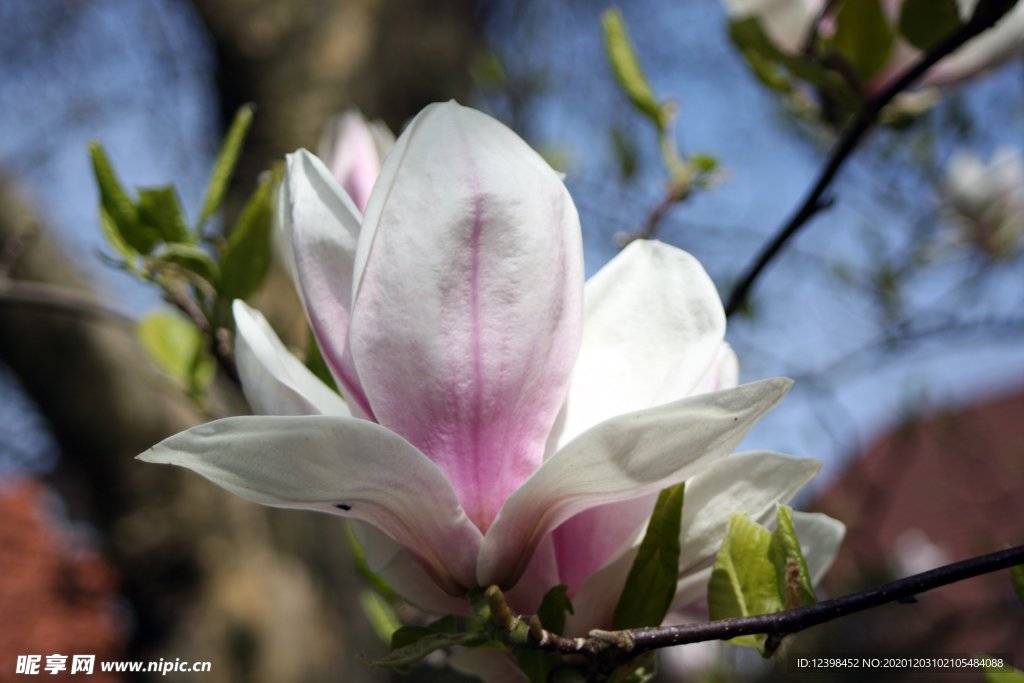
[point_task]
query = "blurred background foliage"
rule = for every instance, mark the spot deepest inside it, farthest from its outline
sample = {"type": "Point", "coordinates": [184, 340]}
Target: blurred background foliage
{"type": "Point", "coordinates": [880, 316]}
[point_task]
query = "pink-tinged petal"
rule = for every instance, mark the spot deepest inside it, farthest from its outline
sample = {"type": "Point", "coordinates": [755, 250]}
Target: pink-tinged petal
{"type": "Point", "coordinates": [752, 483]}
{"type": "Point", "coordinates": [588, 541]}
{"type": "Point", "coordinates": [626, 457]}
{"type": "Point", "coordinates": [322, 225]}
{"type": "Point", "coordinates": [541, 575]}
{"type": "Point", "coordinates": [407, 577]}
{"type": "Point", "coordinates": [342, 466]}
{"type": "Point", "coordinates": [467, 314]}
{"type": "Point", "coordinates": [652, 326]}
{"type": "Point", "coordinates": [351, 151]}
{"type": "Point", "coordinates": [273, 380]}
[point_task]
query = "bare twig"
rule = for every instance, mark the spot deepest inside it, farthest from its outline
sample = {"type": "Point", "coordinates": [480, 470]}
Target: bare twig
{"type": "Point", "coordinates": [612, 648]}
{"type": "Point", "coordinates": [985, 15]}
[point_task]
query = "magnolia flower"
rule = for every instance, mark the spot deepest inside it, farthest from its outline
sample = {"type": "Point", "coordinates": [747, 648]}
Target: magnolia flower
{"type": "Point", "coordinates": [501, 423]}
{"type": "Point", "coordinates": [788, 23]}
{"type": "Point", "coordinates": [986, 200]}
{"type": "Point", "coordinates": [353, 149]}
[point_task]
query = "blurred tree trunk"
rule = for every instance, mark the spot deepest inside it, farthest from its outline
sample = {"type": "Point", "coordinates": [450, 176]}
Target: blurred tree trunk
{"type": "Point", "coordinates": [303, 61]}
{"type": "Point", "coordinates": [202, 570]}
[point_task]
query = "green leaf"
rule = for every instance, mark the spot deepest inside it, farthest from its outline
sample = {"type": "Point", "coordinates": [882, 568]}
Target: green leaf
{"type": "Point", "coordinates": [379, 613]}
{"type": "Point", "coordinates": [864, 36]}
{"type": "Point", "coordinates": [192, 259]}
{"type": "Point", "coordinates": [113, 236]}
{"type": "Point", "coordinates": [1006, 674]}
{"type": "Point", "coordinates": [160, 210]}
{"type": "Point", "coordinates": [407, 635]}
{"type": "Point", "coordinates": [1017, 580]}
{"type": "Point", "coordinates": [246, 256]}
{"type": "Point", "coordinates": [704, 163]}
{"type": "Point", "coordinates": [225, 165]}
{"type": "Point", "coordinates": [794, 580]}
{"type": "Point", "coordinates": [926, 22]}
{"type": "Point", "coordinates": [118, 206]}
{"type": "Point", "coordinates": [774, 67]}
{"type": "Point", "coordinates": [178, 350]}
{"type": "Point", "coordinates": [553, 607]}
{"type": "Point", "coordinates": [652, 579]}
{"type": "Point", "coordinates": [743, 580]}
{"type": "Point", "coordinates": [627, 69]}
{"type": "Point", "coordinates": [418, 649]}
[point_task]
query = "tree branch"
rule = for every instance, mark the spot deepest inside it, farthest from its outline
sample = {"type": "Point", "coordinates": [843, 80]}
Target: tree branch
{"type": "Point", "coordinates": [985, 15]}
{"type": "Point", "coordinates": [612, 648]}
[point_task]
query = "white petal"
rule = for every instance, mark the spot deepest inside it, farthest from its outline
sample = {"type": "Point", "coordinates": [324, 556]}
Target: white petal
{"type": "Point", "coordinates": [622, 458]}
{"type": "Point", "coordinates": [322, 225]}
{"type": "Point", "coordinates": [751, 483]}
{"type": "Point", "coordinates": [724, 372]}
{"type": "Point", "coordinates": [339, 465]}
{"type": "Point", "coordinates": [1002, 42]}
{"type": "Point", "coordinates": [407, 577]}
{"type": "Point", "coordinates": [785, 21]}
{"type": "Point", "coordinates": [820, 537]}
{"type": "Point", "coordinates": [467, 314]}
{"type": "Point", "coordinates": [273, 380]}
{"type": "Point", "coordinates": [652, 326]}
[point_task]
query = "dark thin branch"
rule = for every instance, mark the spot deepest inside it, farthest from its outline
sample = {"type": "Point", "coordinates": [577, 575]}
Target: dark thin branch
{"type": "Point", "coordinates": [612, 648]}
{"type": "Point", "coordinates": [219, 339]}
{"type": "Point", "coordinates": [673, 195]}
{"type": "Point", "coordinates": [985, 15]}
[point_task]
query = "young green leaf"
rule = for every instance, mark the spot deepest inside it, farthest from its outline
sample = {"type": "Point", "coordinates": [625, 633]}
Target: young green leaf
{"type": "Point", "coordinates": [118, 206]}
{"type": "Point", "coordinates": [652, 579]}
{"type": "Point", "coordinates": [627, 69]}
{"type": "Point", "coordinates": [864, 36]}
{"type": "Point", "coordinates": [743, 581]}
{"type": "Point", "coordinates": [225, 165]}
{"type": "Point", "coordinates": [113, 236]}
{"type": "Point", "coordinates": [159, 209]}
{"type": "Point", "coordinates": [794, 580]}
{"type": "Point", "coordinates": [553, 607]}
{"type": "Point", "coordinates": [1006, 674]}
{"type": "Point", "coordinates": [1017, 580]}
{"type": "Point", "coordinates": [407, 635]}
{"type": "Point", "coordinates": [177, 349]}
{"type": "Point", "coordinates": [925, 22]}
{"type": "Point", "coordinates": [418, 649]}
{"type": "Point", "coordinates": [246, 256]}
{"type": "Point", "coordinates": [379, 613]}
{"type": "Point", "coordinates": [191, 258]}
{"type": "Point", "coordinates": [775, 67]}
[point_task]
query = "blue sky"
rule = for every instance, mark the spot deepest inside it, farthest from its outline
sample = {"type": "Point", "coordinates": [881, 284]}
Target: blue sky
{"type": "Point", "coordinates": [137, 76]}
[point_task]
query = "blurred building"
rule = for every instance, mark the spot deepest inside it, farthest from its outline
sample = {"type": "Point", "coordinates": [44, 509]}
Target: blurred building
{"type": "Point", "coordinates": [57, 596]}
{"type": "Point", "coordinates": [935, 490]}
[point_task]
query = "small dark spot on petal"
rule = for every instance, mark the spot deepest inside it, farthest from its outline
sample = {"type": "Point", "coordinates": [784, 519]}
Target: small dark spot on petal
{"type": "Point", "coordinates": [342, 506]}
